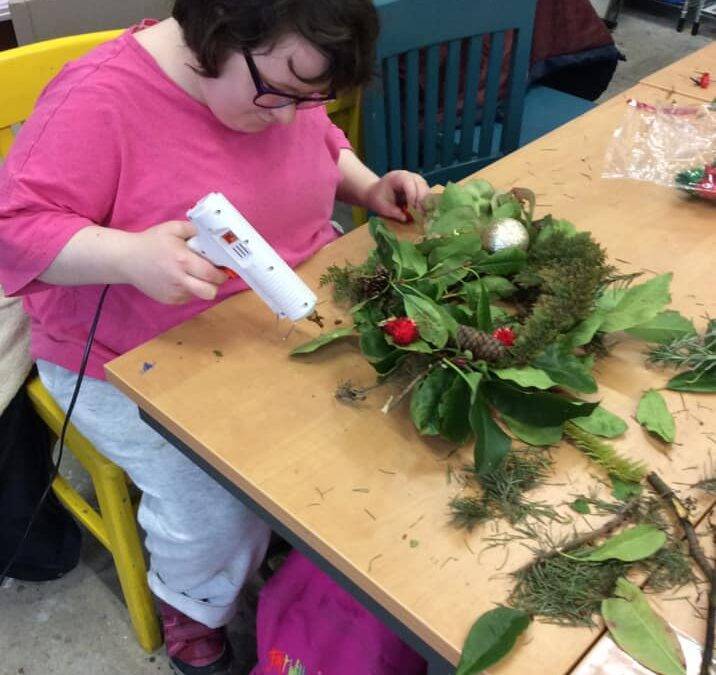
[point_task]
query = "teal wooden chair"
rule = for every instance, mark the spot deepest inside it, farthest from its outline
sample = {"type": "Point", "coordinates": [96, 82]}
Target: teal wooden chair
{"type": "Point", "coordinates": [423, 112]}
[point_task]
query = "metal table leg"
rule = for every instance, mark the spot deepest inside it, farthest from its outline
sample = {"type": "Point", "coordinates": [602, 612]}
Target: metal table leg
{"type": "Point", "coordinates": [611, 16]}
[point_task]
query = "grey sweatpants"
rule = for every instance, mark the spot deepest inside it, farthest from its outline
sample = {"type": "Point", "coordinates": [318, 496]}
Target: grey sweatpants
{"type": "Point", "coordinates": [203, 543]}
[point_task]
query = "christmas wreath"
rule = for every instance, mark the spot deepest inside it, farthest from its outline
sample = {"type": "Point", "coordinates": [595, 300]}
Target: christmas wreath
{"type": "Point", "coordinates": [497, 318]}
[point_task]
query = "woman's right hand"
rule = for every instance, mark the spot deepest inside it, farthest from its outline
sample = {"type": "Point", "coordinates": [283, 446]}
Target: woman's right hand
{"type": "Point", "coordinates": [160, 264]}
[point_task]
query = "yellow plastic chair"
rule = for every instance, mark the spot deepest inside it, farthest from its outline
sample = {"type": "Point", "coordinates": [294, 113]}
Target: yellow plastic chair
{"type": "Point", "coordinates": [23, 74]}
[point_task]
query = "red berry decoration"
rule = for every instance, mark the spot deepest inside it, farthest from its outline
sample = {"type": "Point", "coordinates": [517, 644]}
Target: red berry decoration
{"type": "Point", "coordinates": [504, 335]}
{"type": "Point", "coordinates": [408, 216]}
{"type": "Point", "coordinates": [403, 330]}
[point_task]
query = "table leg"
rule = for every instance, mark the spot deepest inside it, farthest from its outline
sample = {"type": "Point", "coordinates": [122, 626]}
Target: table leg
{"type": "Point", "coordinates": [697, 18]}
{"type": "Point", "coordinates": [437, 664]}
{"type": "Point", "coordinates": [611, 16]}
{"type": "Point", "coordinates": [682, 16]}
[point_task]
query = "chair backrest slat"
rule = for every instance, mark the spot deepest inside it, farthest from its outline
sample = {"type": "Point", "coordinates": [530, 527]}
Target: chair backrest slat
{"type": "Point", "coordinates": [413, 117]}
{"type": "Point", "coordinates": [469, 112]}
{"type": "Point", "coordinates": [492, 89]}
{"type": "Point", "coordinates": [395, 127]}
{"type": "Point", "coordinates": [452, 81]}
{"type": "Point", "coordinates": [412, 104]}
{"type": "Point", "coordinates": [430, 110]}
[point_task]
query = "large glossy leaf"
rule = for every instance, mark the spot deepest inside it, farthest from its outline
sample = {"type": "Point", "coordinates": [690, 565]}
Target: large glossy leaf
{"type": "Point", "coordinates": [491, 443]}
{"type": "Point", "coordinates": [695, 381]}
{"type": "Point", "coordinates": [459, 219]}
{"type": "Point", "coordinates": [373, 344]}
{"type": "Point", "coordinates": [527, 376]}
{"type": "Point", "coordinates": [533, 435]}
{"type": "Point", "coordinates": [584, 331]}
{"type": "Point", "coordinates": [491, 637]}
{"type": "Point", "coordinates": [499, 286]}
{"type": "Point", "coordinates": [429, 318]}
{"type": "Point", "coordinates": [322, 340]}
{"type": "Point", "coordinates": [537, 408]}
{"type": "Point", "coordinates": [411, 261]}
{"type": "Point", "coordinates": [635, 543]}
{"type": "Point", "coordinates": [602, 423]}
{"type": "Point", "coordinates": [465, 247]}
{"type": "Point", "coordinates": [641, 632]}
{"type": "Point", "coordinates": [664, 327]}
{"type": "Point", "coordinates": [454, 196]}
{"type": "Point", "coordinates": [654, 416]}
{"type": "Point", "coordinates": [425, 400]}
{"type": "Point", "coordinates": [484, 316]}
{"type": "Point", "coordinates": [454, 411]}
{"type": "Point", "coordinates": [566, 369]}
{"type": "Point", "coordinates": [507, 261]}
{"type": "Point", "coordinates": [638, 304]}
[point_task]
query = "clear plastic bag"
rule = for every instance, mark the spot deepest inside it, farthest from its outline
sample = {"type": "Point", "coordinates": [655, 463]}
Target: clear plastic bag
{"type": "Point", "coordinates": [666, 144]}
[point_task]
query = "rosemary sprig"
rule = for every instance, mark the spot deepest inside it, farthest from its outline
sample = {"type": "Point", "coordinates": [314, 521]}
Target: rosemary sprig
{"type": "Point", "coordinates": [694, 352]}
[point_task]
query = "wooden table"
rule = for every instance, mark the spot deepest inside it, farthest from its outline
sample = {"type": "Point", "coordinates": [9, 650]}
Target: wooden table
{"type": "Point", "coordinates": [677, 76]}
{"type": "Point", "coordinates": [359, 491]}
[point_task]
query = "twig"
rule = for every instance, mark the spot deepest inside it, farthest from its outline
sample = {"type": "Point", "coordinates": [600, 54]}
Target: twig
{"type": "Point", "coordinates": [393, 401]}
{"type": "Point", "coordinates": [697, 553]}
{"type": "Point", "coordinates": [622, 515]}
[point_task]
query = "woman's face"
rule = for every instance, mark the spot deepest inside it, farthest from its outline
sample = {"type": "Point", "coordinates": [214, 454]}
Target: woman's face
{"type": "Point", "coordinates": [230, 96]}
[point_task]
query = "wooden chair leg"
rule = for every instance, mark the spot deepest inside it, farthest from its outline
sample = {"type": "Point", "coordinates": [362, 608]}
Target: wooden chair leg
{"type": "Point", "coordinates": [119, 518]}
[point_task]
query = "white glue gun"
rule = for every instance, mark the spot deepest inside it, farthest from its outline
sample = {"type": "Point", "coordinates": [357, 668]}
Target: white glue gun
{"type": "Point", "coordinates": [227, 239]}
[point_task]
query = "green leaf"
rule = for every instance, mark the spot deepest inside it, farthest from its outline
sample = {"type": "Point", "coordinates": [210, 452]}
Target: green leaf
{"type": "Point", "coordinates": [551, 226]}
{"type": "Point", "coordinates": [539, 409]}
{"type": "Point", "coordinates": [602, 423]}
{"type": "Point", "coordinates": [526, 376]}
{"type": "Point", "coordinates": [389, 363]}
{"type": "Point", "coordinates": [321, 340]}
{"type": "Point", "coordinates": [499, 286]}
{"type": "Point", "coordinates": [454, 411]}
{"type": "Point", "coordinates": [533, 435]}
{"type": "Point", "coordinates": [479, 189]}
{"type": "Point", "coordinates": [664, 327]}
{"type": "Point", "coordinates": [491, 443]}
{"type": "Point", "coordinates": [491, 637]}
{"type": "Point", "coordinates": [566, 369]}
{"type": "Point", "coordinates": [410, 260]}
{"type": "Point", "coordinates": [634, 543]}
{"type": "Point", "coordinates": [583, 332]}
{"type": "Point", "coordinates": [638, 304]}
{"type": "Point", "coordinates": [580, 505]}
{"type": "Point", "coordinates": [373, 344]}
{"type": "Point", "coordinates": [507, 261]}
{"type": "Point", "coordinates": [386, 244]}
{"type": "Point", "coordinates": [653, 415]}
{"type": "Point", "coordinates": [429, 319]}
{"type": "Point", "coordinates": [510, 209]}
{"type": "Point", "coordinates": [454, 196]}
{"type": "Point", "coordinates": [460, 219]}
{"type": "Point", "coordinates": [426, 399]}
{"type": "Point", "coordinates": [694, 380]}
{"type": "Point", "coordinates": [463, 247]}
{"type": "Point", "coordinates": [484, 317]}
{"type": "Point", "coordinates": [419, 346]}
{"type": "Point", "coordinates": [623, 490]}
{"type": "Point", "coordinates": [641, 632]}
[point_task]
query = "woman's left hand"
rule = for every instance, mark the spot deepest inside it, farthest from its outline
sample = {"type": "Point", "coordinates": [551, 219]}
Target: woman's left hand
{"type": "Point", "coordinates": [395, 190]}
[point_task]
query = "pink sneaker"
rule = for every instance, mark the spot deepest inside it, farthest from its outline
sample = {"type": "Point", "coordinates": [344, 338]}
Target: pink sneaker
{"type": "Point", "coordinates": [192, 647]}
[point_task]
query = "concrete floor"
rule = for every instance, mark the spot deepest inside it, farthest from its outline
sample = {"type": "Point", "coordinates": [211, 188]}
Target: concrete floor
{"type": "Point", "coordinates": [79, 625]}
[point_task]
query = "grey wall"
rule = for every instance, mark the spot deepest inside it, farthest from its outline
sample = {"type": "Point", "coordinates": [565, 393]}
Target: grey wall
{"type": "Point", "coordinates": [35, 20]}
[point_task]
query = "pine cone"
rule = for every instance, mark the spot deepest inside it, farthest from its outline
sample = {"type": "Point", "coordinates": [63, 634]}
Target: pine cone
{"type": "Point", "coordinates": [481, 344]}
{"type": "Point", "coordinates": [376, 283]}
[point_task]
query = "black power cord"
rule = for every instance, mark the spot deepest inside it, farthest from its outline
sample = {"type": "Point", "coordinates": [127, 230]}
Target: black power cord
{"type": "Point", "coordinates": [56, 466]}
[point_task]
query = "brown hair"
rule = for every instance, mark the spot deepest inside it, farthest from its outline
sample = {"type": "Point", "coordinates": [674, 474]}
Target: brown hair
{"type": "Point", "coordinates": [344, 30]}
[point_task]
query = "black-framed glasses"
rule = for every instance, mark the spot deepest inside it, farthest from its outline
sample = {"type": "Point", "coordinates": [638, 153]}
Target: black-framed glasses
{"type": "Point", "coordinates": [266, 97]}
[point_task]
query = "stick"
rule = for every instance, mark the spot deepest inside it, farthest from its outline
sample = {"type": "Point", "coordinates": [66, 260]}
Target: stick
{"type": "Point", "coordinates": [697, 553]}
{"type": "Point", "coordinates": [622, 515]}
{"type": "Point", "coordinates": [393, 401]}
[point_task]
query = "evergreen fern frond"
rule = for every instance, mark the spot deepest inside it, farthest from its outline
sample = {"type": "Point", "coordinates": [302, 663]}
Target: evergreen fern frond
{"type": "Point", "coordinates": [605, 455]}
